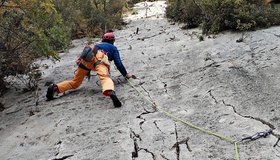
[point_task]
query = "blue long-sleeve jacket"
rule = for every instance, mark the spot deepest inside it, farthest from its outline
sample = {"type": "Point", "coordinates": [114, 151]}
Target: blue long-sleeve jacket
{"type": "Point", "coordinates": [113, 55]}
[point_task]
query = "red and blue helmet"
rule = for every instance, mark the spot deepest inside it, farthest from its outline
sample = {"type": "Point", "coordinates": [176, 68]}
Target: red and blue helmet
{"type": "Point", "coordinates": [108, 37]}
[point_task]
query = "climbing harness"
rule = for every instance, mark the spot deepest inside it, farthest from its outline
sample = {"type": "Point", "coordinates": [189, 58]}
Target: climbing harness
{"type": "Point", "coordinates": [258, 135]}
{"type": "Point", "coordinates": [90, 54]}
{"type": "Point", "coordinates": [153, 104]}
{"type": "Point", "coordinates": [81, 65]}
{"type": "Point", "coordinates": [85, 68]}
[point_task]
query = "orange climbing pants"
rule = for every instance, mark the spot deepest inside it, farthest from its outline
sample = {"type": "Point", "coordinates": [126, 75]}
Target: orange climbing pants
{"type": "Point", "coordinates": [101, 69]}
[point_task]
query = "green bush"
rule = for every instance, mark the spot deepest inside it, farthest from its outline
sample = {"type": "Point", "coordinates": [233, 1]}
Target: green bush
{"type": "Point", "coordinates": [184, 11]}
{"type": "Point", "coordinates": [28, 31]}
{"type": "Point", "coordinates": [104, 16]}
{"type": "Point", "coordinates": [218, 15]}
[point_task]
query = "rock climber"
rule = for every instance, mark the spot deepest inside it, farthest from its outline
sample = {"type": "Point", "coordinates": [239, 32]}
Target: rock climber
{"type": "Point", "coordinates": [98, 59]}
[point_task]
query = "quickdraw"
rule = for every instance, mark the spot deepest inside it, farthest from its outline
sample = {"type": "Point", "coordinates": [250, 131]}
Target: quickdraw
{"type": "Point", "coordinates": [258, 135]}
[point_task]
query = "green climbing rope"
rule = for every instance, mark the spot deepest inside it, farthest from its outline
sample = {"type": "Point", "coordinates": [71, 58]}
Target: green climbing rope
{"type": "Point", "coordinates": [187, 123]}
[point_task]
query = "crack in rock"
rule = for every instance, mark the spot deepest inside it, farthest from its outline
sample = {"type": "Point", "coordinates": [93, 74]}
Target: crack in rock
{"type": "Point", "coordinates": [254, 53]}
{"type": "Point", "coordinates": [136, 148]}
{"type": "Point", "coordinates": [153, 155]}
{"type": "Point", "coordinates": [141, 123]}
{"type": "Point", "coordinates": [140, 116]}
{"type": "Point", "coordinates": [164, 157]}
{"type": "Point", "coordinates": [213, 97]}
{"type": "Point", "coordinates": [13, 111]}
{"type": "Point", "coordinates": [184, 141]}
{"type": "Point", "coordinates": [146, 92]}
{"type": "Point", "coordinates": [144, 113]}
{"type": "Point", "coordinates": [153, 103]}
{"type": "Point", "coordinates": [244, 116]}
{"type": "Point", "coordinates": [155, 122]}
{"type": "Point", "coordinates": [276, 144]}
{"type": "Point", "coordinates": [164, 85]}
{"type": "Point", "coordinates": [273, 48]}
{"type": "Point", "coordinates": [58, 145]}
{"type": "Point", "coordinates": [177, 146]}
{"type": "Point", "coordinates": [178, 76]}
{"type": "Point", "coordinates": [58, 123]}
{"type": "Point", "coordinates": [64, 157]}
{"type": "Point", "coordinates": [261, 120]}
{"type": "Point", "coordinates": [250, 117]}
{"type": "Point", "coordinates": [187, 144]}
{"type": "Point", "coordinates": [214, 64]}
{"type": "Point", "coordinates": [144, 120]}
{"type": "Point", "coordinates": [134, 137]}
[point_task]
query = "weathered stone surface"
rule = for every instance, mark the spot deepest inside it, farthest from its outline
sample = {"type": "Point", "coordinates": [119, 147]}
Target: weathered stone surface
{"type": "Point", "coordinates": [218, 84]}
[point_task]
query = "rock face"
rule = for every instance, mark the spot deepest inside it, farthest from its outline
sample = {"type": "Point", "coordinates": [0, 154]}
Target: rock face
{"type": "Point", "coordinates": [218, 84]}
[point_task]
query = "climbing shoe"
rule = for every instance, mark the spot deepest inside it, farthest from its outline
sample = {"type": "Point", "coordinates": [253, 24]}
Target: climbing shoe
{"type": "Point", "coordinates": [51, 91]}
{"type": "Point", "coordinates": [115, 99]}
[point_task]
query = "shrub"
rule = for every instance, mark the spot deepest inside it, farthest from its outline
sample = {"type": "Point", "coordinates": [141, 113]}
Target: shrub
{"type": "Point", "coordinates": [184, 11]}
{"type": "Point", "coordinates": [217, 15]}
{"type": "Point", "coordinates": [28, 31]}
